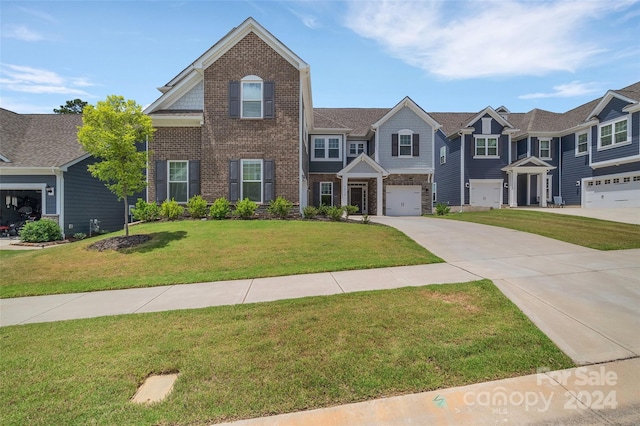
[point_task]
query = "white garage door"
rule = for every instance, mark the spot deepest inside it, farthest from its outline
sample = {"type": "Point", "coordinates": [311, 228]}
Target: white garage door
{"type": "Point", "coordinates": [485, 192]}
{"type": "Point", "coordinates": [612, 191]}
{"type": "Point", "coordinates": [404, 200]}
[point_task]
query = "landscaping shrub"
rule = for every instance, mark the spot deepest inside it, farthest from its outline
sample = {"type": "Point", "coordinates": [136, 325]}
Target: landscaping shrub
{"type": "Point", "coordinates": [350, 210]}
{"type": "Point", "coordinates": [335, 213]}
{"type": "Point", "coordinates": [146, 211]}
{"type": "Point", "coordinates": [220, 209]}
{"type": "Point", "coordinates": [323, 210]}
{"type": "Point", "coordinates": [280, 207]}
{"type": "Point", "coordinates": [309, 212]}
{"type": "Point", "coordinates": [442, 209]}
{"type": "Point", "coordinates": [365, 219]}
{"type": "Point", "coordinates": [79, 235]}
{"type": "Point", "coordinates": [171, 209]}
{"type": "Point", "coordinates": [197, 207]}
{"type": "Point", "coordinates": [246, 208]}
{"type": "Point", "coordinates": [41, 231]}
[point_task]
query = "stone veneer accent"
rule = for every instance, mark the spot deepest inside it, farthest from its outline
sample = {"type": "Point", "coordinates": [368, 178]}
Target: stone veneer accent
{"type": "Point", "coordinates": [423, 180]}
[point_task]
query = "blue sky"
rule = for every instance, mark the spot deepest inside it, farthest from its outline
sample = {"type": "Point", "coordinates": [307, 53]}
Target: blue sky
{"type": "Point", "coordinates": [446, 55]}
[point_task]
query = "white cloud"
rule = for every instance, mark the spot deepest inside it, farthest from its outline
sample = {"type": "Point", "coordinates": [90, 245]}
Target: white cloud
{"type": "Point", "coordinates": [21, 32]}
{"type": "Point", "coordinates": [24, 79]}
{"type": "Point", "coordinates": [460, 40]}
{"type": "Point", "coordinates": [307, 20]}
{"type": "Point", "coordinates": [569, 90]}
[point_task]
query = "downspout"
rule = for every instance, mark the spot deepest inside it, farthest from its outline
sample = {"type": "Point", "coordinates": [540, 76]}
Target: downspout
{"type": "Point", "coordinates": [462, 151]}
{"type": "Point", "coordinates": [301, 175]}
{"type": "Point", "coordinates": [560, 152]}
{"type": "Point", "coordinates": [60, 198]}
{"type": "Point", "coordinates": [146, 148]}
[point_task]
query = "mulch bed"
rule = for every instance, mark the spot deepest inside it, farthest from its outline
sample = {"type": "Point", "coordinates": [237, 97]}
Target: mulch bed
{"type": "Point", "coordinates": [117, 243]}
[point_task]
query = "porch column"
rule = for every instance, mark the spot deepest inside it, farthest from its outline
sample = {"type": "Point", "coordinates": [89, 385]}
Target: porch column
{"type": "Point", "coordinates": [344, 192]}
{"type": "Point", "coordinates": [513, 188]}
{"type": "Point", "coordinates": [543, 189]}
{"type": "Point", "coordinates": [379, 195]}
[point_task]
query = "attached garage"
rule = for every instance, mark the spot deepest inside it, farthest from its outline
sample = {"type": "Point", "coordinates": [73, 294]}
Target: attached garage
{"type": "Point", "coordinates": [485, 193]}
{"type": "Point", "coordinates": [403, 200]}
{"type": "Point", "coordinates": [611, 191]}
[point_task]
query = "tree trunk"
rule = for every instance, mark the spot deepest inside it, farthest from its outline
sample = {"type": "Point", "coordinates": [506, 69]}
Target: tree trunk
{"type": "Point", "coordinates": [126, 216]}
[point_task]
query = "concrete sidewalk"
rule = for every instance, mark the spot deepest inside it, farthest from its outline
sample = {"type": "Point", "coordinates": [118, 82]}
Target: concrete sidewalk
{"type": "Point", "coordinates": [24, 310]}
{"type": "Point", "coordinates": [593, 395]}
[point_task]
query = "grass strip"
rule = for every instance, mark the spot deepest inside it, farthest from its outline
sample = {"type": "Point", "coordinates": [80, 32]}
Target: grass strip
{"type": "Point", "coordinates": [202, 251]}
{"type": "Point", "coordinates": [583, 231]}
{"type": "Point", "coordinates": [262, 359]}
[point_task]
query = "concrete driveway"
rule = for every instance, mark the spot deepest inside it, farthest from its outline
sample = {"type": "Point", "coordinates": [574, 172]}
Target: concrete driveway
{"type": "Point", "coordinates": [587, 301]}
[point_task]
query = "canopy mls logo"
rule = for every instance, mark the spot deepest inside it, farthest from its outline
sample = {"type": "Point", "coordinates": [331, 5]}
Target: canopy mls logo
{"type": "Point", "coordinates": [590, 388]}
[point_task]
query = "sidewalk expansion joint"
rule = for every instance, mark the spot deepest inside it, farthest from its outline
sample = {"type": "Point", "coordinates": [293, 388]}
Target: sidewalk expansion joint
{"type": "Point", "coordinates": [153, 298]}
{"type": "Point", "coordinates": [80, 295]}
{"type": "Point", "coordinates": [337, 282]}
{"type": "Point", "coordinates": [247, 292]}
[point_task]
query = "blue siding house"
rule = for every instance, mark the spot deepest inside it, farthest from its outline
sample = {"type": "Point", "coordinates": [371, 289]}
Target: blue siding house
{"type": "Point", "coordinates": [43, 169]}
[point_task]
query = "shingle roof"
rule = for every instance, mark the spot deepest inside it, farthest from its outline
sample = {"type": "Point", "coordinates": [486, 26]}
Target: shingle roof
{"type": "Point", "coordinates": [39, 140]}
{"type": "Point", "coordinates": [359, 120]}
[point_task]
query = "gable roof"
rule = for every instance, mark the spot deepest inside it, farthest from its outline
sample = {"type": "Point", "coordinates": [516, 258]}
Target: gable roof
{"type": "Point", "coordinates": [488, 110]}
{"type": "Point", "coordinates": [39, 140]}
{"type": "Point", "coordinates": [630, 94]}
{"type": "Point", "coordinates": [370, 164]}
{"type": "Point", "coordinates": [188, 78]}
{"type": "Point", "coordinates": [407, 102]}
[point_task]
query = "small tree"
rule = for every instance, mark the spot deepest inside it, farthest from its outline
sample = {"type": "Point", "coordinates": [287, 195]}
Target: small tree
{"type": "Point", "coordinates": [111, 132]}
{"type": "Point", "coordinates": [71, 107]}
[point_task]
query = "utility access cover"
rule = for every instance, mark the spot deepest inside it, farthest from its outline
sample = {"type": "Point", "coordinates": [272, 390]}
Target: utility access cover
{"type": "Point", "coordinates": [155, 389]}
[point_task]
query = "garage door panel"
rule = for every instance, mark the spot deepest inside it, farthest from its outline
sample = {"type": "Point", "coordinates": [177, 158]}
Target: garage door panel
{"type": "Point", "coordinates": [612, 192]}
{"type": "Point", "coordinates": [403, 200]}
{"type": "Point", "coordinates": [485, 194]}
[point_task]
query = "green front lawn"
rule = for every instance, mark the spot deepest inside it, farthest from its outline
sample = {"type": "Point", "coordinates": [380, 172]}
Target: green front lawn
{"type": "Point", "coordinates": [263, 359]}
{"type": "Point", "coordinates": [583, 231]}
{"type": "Point", "coordinates": [202, 251]}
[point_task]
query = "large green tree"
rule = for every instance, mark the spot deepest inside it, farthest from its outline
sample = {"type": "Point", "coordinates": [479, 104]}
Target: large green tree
{"type": "Point", "coordinates": [71, 107]}
{"type": "Point", "coordinates": [113, 131]}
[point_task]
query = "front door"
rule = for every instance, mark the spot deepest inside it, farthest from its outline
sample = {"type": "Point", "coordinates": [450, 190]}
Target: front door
{"type": "Point", "coordinates": [358, 197]}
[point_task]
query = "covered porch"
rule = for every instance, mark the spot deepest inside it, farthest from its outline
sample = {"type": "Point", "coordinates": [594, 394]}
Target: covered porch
{"type": "Point", "coordinates": [355, 189]}
{"type": "Point", "coordinates": [521, 189]}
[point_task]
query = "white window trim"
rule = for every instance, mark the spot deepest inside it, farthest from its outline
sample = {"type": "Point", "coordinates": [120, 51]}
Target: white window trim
{"type": "Point", "coordinates": [252, 79]}
{"type": "Point", "coordinates": [326, 147]}
{"type": "Point", "coordinates": [540, 148]}
{"type": "Point", "coordinates": [169, 181]}
{"type": "Point", "coordinates": [320, 189]}
{"type": "Point", "coordinates": [578, 134]}
{"type": "Point", "coordinates": [486, 137]}
{"type": "Point", "coordinates": [443, 154]}
{"type": "Point", "coordinates": [405, 133]}
{"type": "Point", "coordinates": [242, 196]}
{"type": "Point", "coordinates": [613, 123]}
{"type": "Point", "coordinates": [363, 143]}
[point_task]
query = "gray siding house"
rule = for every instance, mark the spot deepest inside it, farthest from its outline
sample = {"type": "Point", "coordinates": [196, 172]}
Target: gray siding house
{"type": "Point", "coordinates": [44, 168]}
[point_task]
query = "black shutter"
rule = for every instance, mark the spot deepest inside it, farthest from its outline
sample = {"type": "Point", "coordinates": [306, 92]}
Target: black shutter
{"type": "Point", "coordinates": [416, 145]}
{"type": "Point", "coordinates": [268, 98]}
{"type": "Point", "coordinates": [234, 99]}
{"type": "Point", "coordinates": [269, 180]}
{"type": "Point", "coordinates": [394, 145]}
{"type": "Point", "coordinates": [194, 178]}
{"type": "Point", "coordinates": [234, 180]}
{"type": "Point", "coordinates": [316, 194]}
{"type": "Point", "coordinates": [161, 181]}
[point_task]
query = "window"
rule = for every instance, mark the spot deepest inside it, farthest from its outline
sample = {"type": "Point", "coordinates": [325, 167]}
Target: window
{"type": "Point", "coordinates": [613, 134]}
{"type": "Point", "coordinates": [251, 97]}
{"type": "Point", "coordinates": [179, 181]}
{"type": "Point", "coordinates": [627, 180]}
{"type": "Point", "coordinates": [405, 144]}
{"type": "Point", "coordinates": [545, 148]}
{"type": "Point", "coordinates": [326, 148]}
{"type": "Point", "coordinates": [356, 148]}
{"type": "Point", "coordinates": [251, 180]}
{"type": "Point", "coordinates": [443, 155]}
{"type": "Point", "coordinates": [582, 143]}
{"type": "Point", "coordinates": [326, 193]}
{"type": "Point", "coordinates": [486, 146]}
